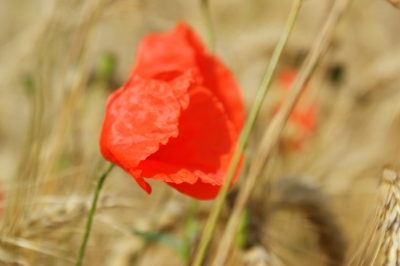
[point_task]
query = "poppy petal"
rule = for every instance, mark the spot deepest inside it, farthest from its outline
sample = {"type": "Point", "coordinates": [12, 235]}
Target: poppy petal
{"type": "Point", "coordinates": [180, 50]}
{"type": "Point", "coordinates": [219, 79]}
{"type": "Point", "coordinates": [199, 156]}
{"type": "Point", "coordinates": [168, 52]}
{"type": "Point", "coordinates": [198, 190]}
{"type": "Point", "coordinates": [140, 116]}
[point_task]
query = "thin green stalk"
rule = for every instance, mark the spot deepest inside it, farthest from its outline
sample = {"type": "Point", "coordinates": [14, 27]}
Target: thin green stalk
{"type": "Point", "coordinates": [210, 28]}
{"type": "Point", "coordinates": [244, 136]}
{"type": "Point", "coordinates": [190, 229]}
{"type": "Point", "coordinates": [91, 214]}
{"type": "Point", "coordinates": [276, 125]}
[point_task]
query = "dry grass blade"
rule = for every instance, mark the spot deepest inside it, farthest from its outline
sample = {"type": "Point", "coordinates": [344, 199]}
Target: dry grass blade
{"type": "Point", "coordinates": [30, 245]}
{"type": "Point", "coordinates": [395, 3]}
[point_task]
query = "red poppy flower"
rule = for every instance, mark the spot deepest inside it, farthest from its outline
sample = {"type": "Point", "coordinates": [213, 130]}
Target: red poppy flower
{"type": "Point", "coordinates": [178, 117]}
{"type": "Point", "coordinates": [303, 119]}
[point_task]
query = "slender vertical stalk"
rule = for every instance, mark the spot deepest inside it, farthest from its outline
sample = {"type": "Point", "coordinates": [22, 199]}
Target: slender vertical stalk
{"type": "Point", "coordinates": [91, 214]}
{"type": "Point", "coordinates": [265, 84]}
{"type": "Point", "coordinates": [205, 9]}
{"type": "Point", "coordinates": [190, 229]}
{"type": "Point", "coordinates": [274, 130]}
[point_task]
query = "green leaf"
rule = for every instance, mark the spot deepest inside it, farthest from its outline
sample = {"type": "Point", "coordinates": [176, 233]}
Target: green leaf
{"type": "Point", "coordinates": [158, 237]}
{"type": "Point", "coordinates": [243, 230]}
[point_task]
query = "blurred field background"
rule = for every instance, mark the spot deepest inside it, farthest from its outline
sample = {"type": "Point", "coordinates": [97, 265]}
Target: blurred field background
{"type": "Point", "coordinates": [59, 60]}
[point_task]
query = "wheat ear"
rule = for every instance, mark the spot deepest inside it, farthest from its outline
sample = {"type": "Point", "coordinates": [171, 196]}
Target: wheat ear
{"type": "Point", "coordinates": [63, 212]}
{"type": "Point", "coordinates": [388, 249]}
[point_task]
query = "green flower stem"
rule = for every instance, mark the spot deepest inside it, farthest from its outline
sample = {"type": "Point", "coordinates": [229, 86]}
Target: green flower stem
{"type": "Point", "coordinates": [190, 229]}
{"type": "Point", "coordinates": [244, 136]}
{"type": "Point", "coordinates": [210, 28]}
{"type": "Point", "coordinates": [91, 214]}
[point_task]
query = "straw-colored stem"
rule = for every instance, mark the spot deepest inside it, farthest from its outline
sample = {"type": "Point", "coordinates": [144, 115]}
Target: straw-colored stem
{"type": "Point", "coordinates": [91, 214]}
{"type": "Point", "coordinates": [205, 8]}
{"type": "Point", "coordinates": [265, 84]}
{"type": "Point", "coordinates": [274, 130]}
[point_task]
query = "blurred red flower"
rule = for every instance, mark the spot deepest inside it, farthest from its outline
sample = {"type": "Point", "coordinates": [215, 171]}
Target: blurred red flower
{"type": "Point", "coordinates": [178, 117]}
{"type": "Point", "coordinates": [303, 119]}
